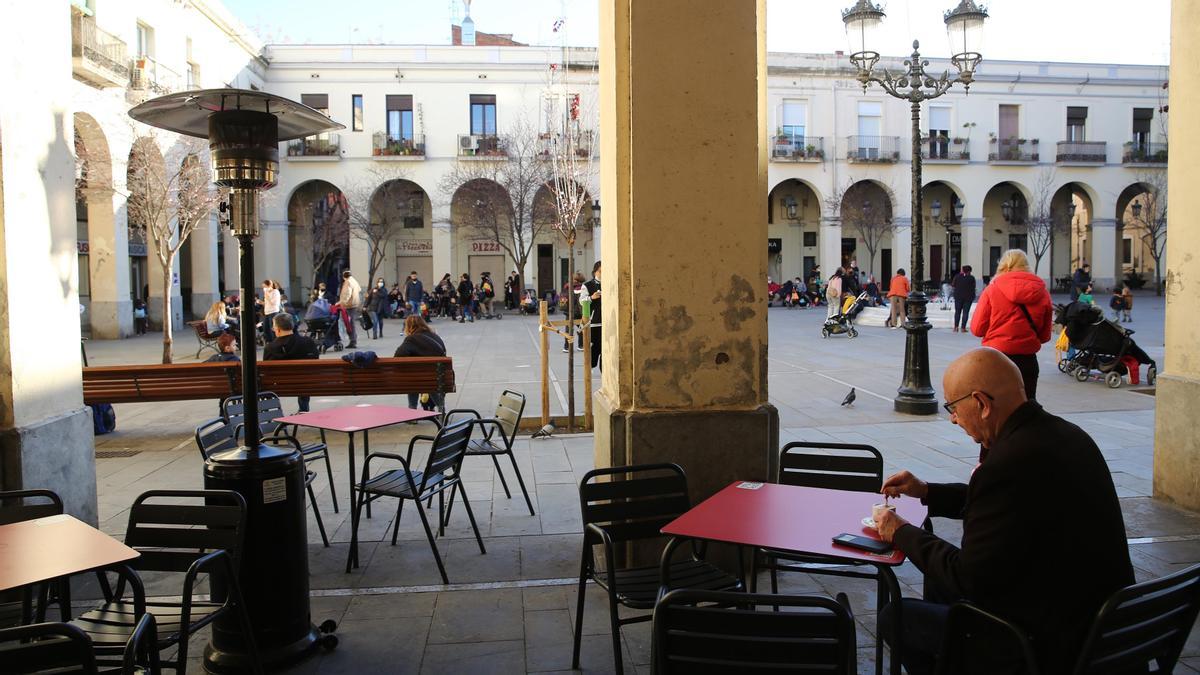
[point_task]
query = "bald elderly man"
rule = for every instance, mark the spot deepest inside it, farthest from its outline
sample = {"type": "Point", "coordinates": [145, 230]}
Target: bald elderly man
{"type": "Point", "coordinates": [1043, 540]}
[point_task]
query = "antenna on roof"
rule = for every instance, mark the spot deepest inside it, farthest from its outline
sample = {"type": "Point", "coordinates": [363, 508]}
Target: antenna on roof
{"type": "Point", "coordinates": [454, 18]}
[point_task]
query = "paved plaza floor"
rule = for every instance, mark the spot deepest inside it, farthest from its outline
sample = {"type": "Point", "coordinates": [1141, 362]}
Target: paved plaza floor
{"type": "Point", "coordinates": [512, 610]}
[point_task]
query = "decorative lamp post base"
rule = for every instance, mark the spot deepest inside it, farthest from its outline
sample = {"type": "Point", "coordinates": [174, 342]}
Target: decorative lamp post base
{"type": "Point", "coordinates": [915, 395]}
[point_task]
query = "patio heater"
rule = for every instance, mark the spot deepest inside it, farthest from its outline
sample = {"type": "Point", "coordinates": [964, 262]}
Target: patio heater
{"type": "Point", "coordinates": [244, 129]}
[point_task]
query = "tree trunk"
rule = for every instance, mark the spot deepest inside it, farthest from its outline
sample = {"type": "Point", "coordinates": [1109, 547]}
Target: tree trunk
{"type": "Point", "coordinates": [571, 339]}
{"type": "Point", "coordinates": [166, 314]}
{"type": "Point", "coordinates": [1158, 287]}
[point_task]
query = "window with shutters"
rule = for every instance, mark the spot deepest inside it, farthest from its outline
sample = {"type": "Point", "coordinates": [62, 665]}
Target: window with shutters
{"type": "Point", "coordinates": [1142, 117]}
{"type": "Point", "coordinates": [1076, 123]}
{"type": "Point", "coordinates": [870, 124]}
{"type": "Point", "coordinates": [794, 120]}
{"type": "Point", "coordinates": [399, 117]}
{"type": "Point", "coordinates": [483, 114]}
{"type": "Point", "coordinates": [939, 132]}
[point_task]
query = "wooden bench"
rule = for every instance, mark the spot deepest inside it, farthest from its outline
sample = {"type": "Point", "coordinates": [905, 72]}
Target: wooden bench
{"type": "Point", "coordinates": [206, 339]}
{"type": "Point", "coordinates": [315, 377]}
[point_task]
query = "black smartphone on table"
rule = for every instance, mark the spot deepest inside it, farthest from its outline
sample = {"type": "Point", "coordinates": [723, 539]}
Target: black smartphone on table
{"type": "Point", "coordinates": [863, 543]}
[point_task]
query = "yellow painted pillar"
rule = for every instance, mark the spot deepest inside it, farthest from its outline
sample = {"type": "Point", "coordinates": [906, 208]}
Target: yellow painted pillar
{"type": "Point", "coordinates": [1176, 439]}
{"type": "Point", "coordinates": [683, 172]}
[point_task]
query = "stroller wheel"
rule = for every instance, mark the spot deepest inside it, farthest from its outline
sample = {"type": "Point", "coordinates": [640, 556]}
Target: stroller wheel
{"type": "Point", "coordinates": [824, 332]}
{"type": "Point", "coordinates": [1112, 379]}
{"type": "Point", "coordinates": [1081, 374]}
{"type": "Point", "coordinates": [1151, 375]}
{"type": "Point", "coordinates": [853, 332]}
{"type": "Point", "coordinates": [1064, 366]}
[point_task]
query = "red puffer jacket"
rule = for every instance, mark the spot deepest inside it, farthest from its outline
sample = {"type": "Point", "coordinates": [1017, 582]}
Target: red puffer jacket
{"type": "Point", "coordinates": [998, 319]}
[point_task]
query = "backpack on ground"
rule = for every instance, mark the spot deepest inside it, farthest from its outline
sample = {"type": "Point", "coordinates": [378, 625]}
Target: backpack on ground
{"type": "Point", "coordinates": [104, 419]}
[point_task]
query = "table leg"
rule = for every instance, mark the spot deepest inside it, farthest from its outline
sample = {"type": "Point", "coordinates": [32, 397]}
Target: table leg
{"type": "Point", "coordinates": [353, 508]}
{"type": "Point", "coordinates": [367, 451]}
{"type": "Point", "coordinates": [888, 591]}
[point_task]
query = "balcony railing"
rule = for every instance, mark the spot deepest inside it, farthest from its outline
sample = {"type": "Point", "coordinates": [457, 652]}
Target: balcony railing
{"type": "Point", "coordinates": [384, 145]}
{"type": "Point", "coordinates": [885, 149]}
{"type": "Point", "coordinates": [322, 145]}
{"type": "Point", "coordinates": [943, 148]}
{"type": "Point", "coordinates": [146, 74]}
{"type": "Point", "coordinates": [795, 148]}
{"type": "Point", "coordinates": [1082, 151]}
{"type": "Point", "coordinates": [98, 56]}
{"type": "Point", "coordinates": [1142, 152]}
{"type": "Point", "coordinates": [578, 142]}
{"type": "Point", "coordinates": [1012, 150]}
{"type": "Point", "coordinates": [481, 145]}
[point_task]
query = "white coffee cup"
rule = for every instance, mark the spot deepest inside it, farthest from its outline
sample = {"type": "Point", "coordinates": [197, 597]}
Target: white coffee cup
{"type": "Point", "coordinates": [877, 509]}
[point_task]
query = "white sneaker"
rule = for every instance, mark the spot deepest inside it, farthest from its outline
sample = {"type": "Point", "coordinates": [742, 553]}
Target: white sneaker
{"type": "Point", "coordinates": [565, 350]}
{"type": "Point", "coordinates": [895, 327]}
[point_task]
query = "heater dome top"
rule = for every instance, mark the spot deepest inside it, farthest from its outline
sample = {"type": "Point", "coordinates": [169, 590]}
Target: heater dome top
{"type": "Point", "coordinates": [187, 112]}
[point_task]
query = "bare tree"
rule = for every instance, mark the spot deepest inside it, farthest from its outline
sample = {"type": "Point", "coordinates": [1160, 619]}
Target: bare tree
{"type": "Point", "coordinates": [322, 223]}
{"type": "Point", "coordinates": [495, 194]}
{"type": "Point", "coordinates": [169, 197]}
{"type": "Point", "coordinates": [379, 202]}
{"type": "Point", "coordinates": [1042, 224]}
{"type": "Point", "coordinates": [872, 222]}
{"type": "Point", "coordinates": [1150, 219]}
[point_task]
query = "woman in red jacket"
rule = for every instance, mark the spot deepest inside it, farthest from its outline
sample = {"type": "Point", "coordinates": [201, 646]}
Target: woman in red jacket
{"type": "Point", "coordinates": [1014, 316]}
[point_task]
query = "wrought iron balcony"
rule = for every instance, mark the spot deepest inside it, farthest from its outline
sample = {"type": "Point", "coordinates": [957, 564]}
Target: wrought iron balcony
{"type": "Point", "coordinates": [482, 145]}
{"type": "Point", "coordinates": [882, 149]}
{"type": "Point", "coordinates": [796, 148]}
{"type": "Point", "coordinates": [97, 56]}
{"type": "Point", "coordinates": [1143, 152]}
{"type": "Point", "coordinates": [151, 77]}
{"type": "Point", "coordinates": [578, 142]}
{"type": "Point", "coordinates": [325, 146]}
{"type": "Point", "coordinates": [1013, 150]}
{"type": "Point", "coordinates": [942, 148]}
{"type": "Point", "coordinates": [386, 146]}
{"type": "Point", "coordinates": [1086, 152]}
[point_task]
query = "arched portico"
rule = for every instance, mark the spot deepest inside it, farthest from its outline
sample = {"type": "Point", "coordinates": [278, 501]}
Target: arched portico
{"type": "Point", "coordinates": [794, 230]}
{"type": "Point", "coordinates": [318, 239]}
{"type": "Point", "coordinates": [104, 288]}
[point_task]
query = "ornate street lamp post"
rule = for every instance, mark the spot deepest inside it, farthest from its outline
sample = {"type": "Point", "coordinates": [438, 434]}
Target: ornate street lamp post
{"type": "Point", "coordinates": [964, 25]}
{"type": "Point", "coordinates": [244, 129]}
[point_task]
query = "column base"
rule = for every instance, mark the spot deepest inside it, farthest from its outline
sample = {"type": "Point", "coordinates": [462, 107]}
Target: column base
{"type": "Point", "coordinates": [154, 312]}
{"type": "Point", "coordinates": [201, 302]}
{"type": "Point", "coordinates": [110, 319]}
{"type": "Point", "coordinates": [57, 453]}
{"type": "Point", "coordinates": [1177, 441]}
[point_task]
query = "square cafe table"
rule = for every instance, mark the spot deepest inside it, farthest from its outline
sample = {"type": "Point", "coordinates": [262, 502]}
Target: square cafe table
{"type": "Point", "coordinates": [354, 418]}
{"type": "Point", "coordinates": [42, 549]}
{"type": "Point", "coordinates": [800, 520]}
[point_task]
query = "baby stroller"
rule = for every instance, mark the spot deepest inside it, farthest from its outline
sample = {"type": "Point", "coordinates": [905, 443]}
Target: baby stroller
{"type": "Point", "coordinates": [1100, 347]}
{"type": "Point", "coordinates": [843, 322]}
{"type": "Point", "coordinates": [324, 331]}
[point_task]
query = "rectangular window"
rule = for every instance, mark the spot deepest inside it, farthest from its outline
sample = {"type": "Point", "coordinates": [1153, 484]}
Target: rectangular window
{"type": "Point", "coordinates": [145, 40]}
{"type": "Point", "coordinates": [1010, 123]}
{"type": "Point", "coordinates": [1018, 241]}
{"type": "Point", "coordinates": [794, 118]}
{"type": "Point", "coordinates": [399, 117]}
{"type": "Point", "coordinates": [870, 123]}
{"type": "Point", "coordinates": [810, 238]}
{"type": "Point", "coordinates": [356, 112]}
{"type": "Point", "coordinates": [1076, 123]}
{"type": "Point", "coordinates": [1142, 118]}
{"type": "Point", "coordinates": [85, 275]}
{"type": "Point", "coordinates": [318, 102]}
{"type": "Point", "coordinates": [1126, 254]}
{"type": "Point", "coordinates": [939, 132]}
{"type": "Point", "coordinates": [483, 115]}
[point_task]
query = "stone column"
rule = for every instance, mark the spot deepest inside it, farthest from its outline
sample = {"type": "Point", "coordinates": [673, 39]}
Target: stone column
{"type": "Point", "coordinates": [1104, 254]}
{"type": "Point", "coordinates": [45, 432]}
{"type": "Point", "coordinates": [972, 245]}
{"type": "Point", "coordinates": [111, 310]}
{"type": "Point", "coordinates": [685, 378]}
{"type": "Point", "coordinates": [271, 254]}
{"type": "Point", "coordinates": [443, 251]}
{"type": "Point", "coordinates": [1177, 437]}
{"type": "Point", "coordinates": [205, 281]}
{"type": "Point", "coordinates": [831, 246]}
{"type": "Point", "coordinates": [902, 246]}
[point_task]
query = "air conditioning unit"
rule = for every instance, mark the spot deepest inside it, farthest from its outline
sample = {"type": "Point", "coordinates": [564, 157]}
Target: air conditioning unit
{"type": "Point", "coordinates": [138, 77]}
{"type": "Point", "coordinates": [468, 142]}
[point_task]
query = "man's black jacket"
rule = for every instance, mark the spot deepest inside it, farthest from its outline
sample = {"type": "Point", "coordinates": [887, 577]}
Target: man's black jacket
{"type": "Point", "coordinates": [289, 347]}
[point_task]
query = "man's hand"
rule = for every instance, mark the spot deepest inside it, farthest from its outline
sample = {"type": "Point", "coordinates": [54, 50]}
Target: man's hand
{"type": "Point", "coordinates": [887, 522]}
{"type": "Point", "coordinates": [904, 483]}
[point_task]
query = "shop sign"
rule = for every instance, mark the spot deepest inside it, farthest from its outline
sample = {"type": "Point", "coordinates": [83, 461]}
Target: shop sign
{"type": "Point", "coordinates": [774, 246]}
{"type": "Point", "coordinates": [137, 250]}
{"type": "Point", "coordinates": [414, 247]}
{"type": "Point", "coordinates": [485, 246]}
{"type": "Point", "coordinates": [81, 247]}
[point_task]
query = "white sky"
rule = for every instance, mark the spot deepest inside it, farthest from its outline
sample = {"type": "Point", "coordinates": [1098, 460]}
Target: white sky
{"type": "Point", "coordinates": [1099, 31]}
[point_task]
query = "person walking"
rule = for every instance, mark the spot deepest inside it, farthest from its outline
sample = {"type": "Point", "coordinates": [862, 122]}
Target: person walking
{"type": "Point", "coordinates": [576, 291]}
{"type": "Point", "coordinates": [350, 300]}
{"type": "Point", "coordinates": [1127, 295]}
{"type": "Point", "coordinates": [964, 294]}
{"type": "Point", "coordinates": [898, 289]}
{"type": "Point", "coordinates": [1014, 316]}
{"type": "Point", "coordinates": [592, 291]}
{"type": "Point", "coordinates": [414, 292]}
{"type": "Point", "coordinates": [420, 340]}
{"type": "Point", "coordinates": [288, 346]}
{"type": "Point", "coordinates": [833, 293]}
{"type": "Point", "coordinates": [271, 307]}
{"type": "Point", "coordinates": [487, 293]}
{"type": "Point", "coordinates": [376, 308]}
{"type": "Point", "coordinates": [1080, 280]}
{"type": "Point", "coordinates": [466, 299]}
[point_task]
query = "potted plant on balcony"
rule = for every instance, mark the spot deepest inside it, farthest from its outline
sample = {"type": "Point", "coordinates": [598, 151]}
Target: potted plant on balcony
{"type": "Point", "coordinates": [810, 151]}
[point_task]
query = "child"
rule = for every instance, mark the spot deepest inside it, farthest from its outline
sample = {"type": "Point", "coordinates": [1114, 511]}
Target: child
{"type": "Point", "coordinates": [1127, 294]}
{"type": "Point", "coordinates": [139, 317]}
{"type": "Point", "coordinates": [1117, 304]}
{"type": "Point", "coordinates": [1086, 296]}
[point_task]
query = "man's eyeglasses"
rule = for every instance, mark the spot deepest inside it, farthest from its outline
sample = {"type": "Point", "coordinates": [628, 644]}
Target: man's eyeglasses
{"type": "Point", "coordinates": [949, 407]}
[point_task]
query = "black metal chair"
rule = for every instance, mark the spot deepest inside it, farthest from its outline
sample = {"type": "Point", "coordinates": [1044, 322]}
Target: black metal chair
{"type": "Point", "coordinates": [719, 632]}
{"type": "Point", "coordinates": [218, 435]}
{"type": "Point", "coordinates": [20, 505]}
{"type": "Point", "coordinates": [270, 407]}
{"type": "Point", "coordinates": [203, 535]}
{"type": "Point", "coordinates": [499, 434]}
{"type": "Point", "coordinates": [633, 503]}
{"type": "Point", "coordinates": [441, 473]}
{"type": "Point", "coordinates": [965, 622]}
{"type": "Point", "coordinates": [63, 649]}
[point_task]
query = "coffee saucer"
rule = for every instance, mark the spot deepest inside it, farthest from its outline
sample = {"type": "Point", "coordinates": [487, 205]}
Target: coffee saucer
{"type": "Point", "coordinates": [868, 522]}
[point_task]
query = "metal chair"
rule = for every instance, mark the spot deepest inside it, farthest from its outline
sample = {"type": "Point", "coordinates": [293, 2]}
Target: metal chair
{"type": "Point", "coordinates": [63, 649]}
{"type": "Point", "coordinates": [499, 434]}
{"type": "Point", "coordinates": [21, 505]}
{"type": "Point", "coordinates": [964, 622]}
{"type": "Point", "coordinates": [441, 473]}
{"type": "Point", "coordinates": [270, 407]}
{"type": "Point", "coordinates": [633, 503]}
{"type": "Point", "coordinates": [204, 535]}
{"type": "Point", "coordinates": [218, 435]}
{"type": "Point", "coordinates": [721, 632]}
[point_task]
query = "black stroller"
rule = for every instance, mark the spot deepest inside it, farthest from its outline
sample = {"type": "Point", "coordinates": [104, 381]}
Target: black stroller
{"type": "Point", "coordinates": [324, 331]}
{"type": "Point", "coordinates": [1099, 346]}
{"type": "Point", "coordinates": [843, 322]}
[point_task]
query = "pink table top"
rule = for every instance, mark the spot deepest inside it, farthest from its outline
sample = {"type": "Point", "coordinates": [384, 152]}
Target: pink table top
{"type": "Point", "coordinates": [790, 518]}
{"type": "Point", "coordinates": [358, 417]}
{"type": "Point", "coordinates": [54, 546]}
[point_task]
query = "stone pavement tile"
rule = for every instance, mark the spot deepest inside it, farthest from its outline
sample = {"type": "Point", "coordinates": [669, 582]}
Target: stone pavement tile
{"type": "Point", "coordinates": [377, 645]}
{"type": "Point", "coordinates": [866, 660]}
{"type": "Point", "coordinates": [595, 656]}
{"type": "Point", "coordinates": [551, 556]}
{"type": "Point", "coordinates": [327, 566]}
{"type": "Point", "coordinates": [1145, 517]}
{"type": "Point", "coordinates": [1192, 646]}
{"type": "Point", "coordinates": [548, 642]}
{"type": "Point", "coordinates": [501, 563]}
{"type": "Point", "coordinates": [556, 477]}
{"type": "Point", "coordinates": [1174, 552]}
{"type": "Point", "coordinates": [478, 616]}
{"type": "Point", "coordinates": [408, 563]}
{"type": "Point", "coordinates": [542, 598]}
{"type": "Point", "coordinates": [330, 607]}
{"type": "Point", "coordinates": [389, 606]}
{"type": "Point", "coordinates": [511, 517]}
{"type": "Point", "coordinates": [1188, 665]}
{"type": "Point", "coordinates": [595, 609]}
{"type": "Point", "coordinates": [559, 511]}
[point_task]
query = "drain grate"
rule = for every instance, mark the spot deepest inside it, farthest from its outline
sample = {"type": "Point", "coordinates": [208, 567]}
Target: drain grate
{"type": "Point", "coordinates": [116, 454]}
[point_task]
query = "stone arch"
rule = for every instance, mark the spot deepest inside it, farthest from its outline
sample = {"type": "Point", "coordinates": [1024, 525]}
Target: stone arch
{"type": "Point", "coordinates": [1078, 236]}
{"type": "Point", "coordinates": [943, 235]}
{"type": "Point", "coordinates": [794, 213]}
{"type": "Point", "coordinates": [481, 215]}
{"type": "Point", "coordinates": [145, 175]}
{"type": "Point", "coordinates": [1003, 228]}
{"type": "Point", "coordinates": [868, 216]}
{"type": "Point", "coordinates": [405, 210]}
{"type": "Point", "coordinates": [318, 237]}
{"type": "Point", "coordinates": [1140, 238]}
{"type": "Point", "coordinates": [103, 268]}
{"type": "Point", "coordinates": [564, 265]}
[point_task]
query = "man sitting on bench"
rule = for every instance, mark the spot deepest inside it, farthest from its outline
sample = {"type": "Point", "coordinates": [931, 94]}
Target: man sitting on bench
{"type": "Point", "coordinates": [287, 346]}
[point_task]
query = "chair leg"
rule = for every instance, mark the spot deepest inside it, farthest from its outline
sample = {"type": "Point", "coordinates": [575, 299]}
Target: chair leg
{"type": "Point", "coordinates": [450, 502]}
{"type": "Point", "coordinates": [579, 606]}
{"type": "Point", "coordinates": [433, 545]}
{"type": "Point", "coordinates": [396, 525]}
{"type": "Point", "coordinates": [501, 475]}
{"type": "Point", "coordinates": [354, 516]}
{"type": "Point", "coordinates": [520, 481]}
{"type": "Point", "coordinates": [312, 499]}
{"type": "Point", "coordinates": [247, 629]}
{"type": "Point", "coordinates": [613, 616]}
{"type": "Point", "coordinates": [332, 489]}
{"type": "Point", "coordinates": [471, 516]}
{"type": "Point", "coordinates": [442, 513]}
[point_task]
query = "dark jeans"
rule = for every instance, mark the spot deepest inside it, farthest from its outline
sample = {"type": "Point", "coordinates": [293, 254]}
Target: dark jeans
{"type": "Point", "coordinates": [1028, 365]}
{"type": "Point", "coordinates": [595, 340]}
{"type": "Point", "coordinates": [268, 327]}
{"type": "Point", "coordinates": [962, 308]}
{"type": "Point", "coordinates": [302, 401]}
{"type": "Point", "coordinates": [352, 331]}
{"type": "Point", "coordinates": [921, 631]}
{"type": "Point", "coordinates": [376, 325]}
{"type": "Point", "coordinates": [438, 401]}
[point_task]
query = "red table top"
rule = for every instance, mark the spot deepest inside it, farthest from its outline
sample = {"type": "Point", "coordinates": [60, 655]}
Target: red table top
{"type": "Point", "coordinates": [357, 417]}
{"type": "Point", "coordinates": [790, 518]}
{"type": "Point", "coordinates": [45, 548]}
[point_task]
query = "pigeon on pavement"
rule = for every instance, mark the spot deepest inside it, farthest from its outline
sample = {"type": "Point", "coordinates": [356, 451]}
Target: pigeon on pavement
{"type": "Point", "coordinates": [849, 400]}
{"type": "Point", "coordinates": [544, 432]}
